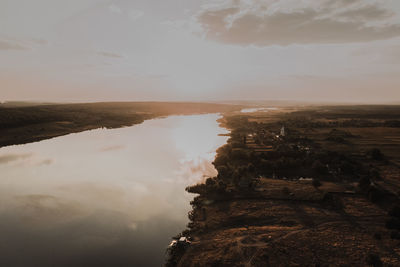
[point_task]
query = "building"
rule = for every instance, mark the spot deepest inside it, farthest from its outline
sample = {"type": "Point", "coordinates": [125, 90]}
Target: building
{"type": "Point", "coordinates": [282, 131]}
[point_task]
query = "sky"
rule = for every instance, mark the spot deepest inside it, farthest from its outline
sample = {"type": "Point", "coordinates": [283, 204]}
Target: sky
{"type": "Point", "coordinates": [197, 50]}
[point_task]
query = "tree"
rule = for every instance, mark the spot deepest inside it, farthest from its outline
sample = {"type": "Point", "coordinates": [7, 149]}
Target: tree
{"type": "Point", "coordinates": [316, 183]}
{"type": "Point", "coordinates": [319, 168]}
{"type": "Point", "coordinates": [364, 183]}
{"type": "Point", "coordinates": [223, 171]}
{"type": "Point", "coordinates": [376, 154]}
{"type": "Point", "coordinates": [374, 260]}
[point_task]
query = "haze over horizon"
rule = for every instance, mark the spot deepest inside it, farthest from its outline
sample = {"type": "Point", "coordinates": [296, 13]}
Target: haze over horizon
{"type": "Point", "coordinates": [187, 50]}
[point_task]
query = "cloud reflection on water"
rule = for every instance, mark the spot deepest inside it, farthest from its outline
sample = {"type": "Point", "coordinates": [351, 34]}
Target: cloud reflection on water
{"type": "Point", "coordinates": [13, 157]}
{"type": "Point", "coordinates": [119, 207]}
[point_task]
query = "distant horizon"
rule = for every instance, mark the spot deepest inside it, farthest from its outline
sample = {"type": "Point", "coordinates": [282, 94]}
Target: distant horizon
{"type": "Point", "coordinates": [254, 102]}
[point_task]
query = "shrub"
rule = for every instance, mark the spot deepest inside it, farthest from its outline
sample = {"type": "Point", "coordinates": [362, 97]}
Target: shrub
{"type": "Point", "coordinates": [364, 183]}
{"type": "Point", "coordinates": [319, 168]}
{"type": "Point", "coordinates": [374, 260]}
{"type": "Point", "coordinates": [251, 168]}
{"type": "Point", "coordinates": [377, 236]}
{"type": "Point", "coordinates": [223, 171]}
{"type": "Point", "coordinates": [376, 154]}
{"type": "Point", "coordinates": [347, 168]}
{"type": "Point", "coordinates": [395, 211]}
{"type": "Point", "coordinates": [393, 223]}
{"type": "Point", "coordinates": [200, 189]}
{"type": "Point", "coordinates": [286, 190]}
{"type": "Point", "coordinates": [332, 201]}
{"type": "Point", "coordinates": [374, 194]}
{"type": "Point", "coordinates": [374, 173]}
{"type": "Point", "coordinates": [239, 154]}
{"type": "Point", "coordinates": [236, 177]}
{"type": "Point", "coordinates": [221, 187]}
{"type": "Point", "coordinates": [395, 235]}
{"type": "Point", "coordinates": [210, 182]}
{"type": "Point", "coordinates": [221, 160]}
{"type": "Point", "coordinates": [316, 183]}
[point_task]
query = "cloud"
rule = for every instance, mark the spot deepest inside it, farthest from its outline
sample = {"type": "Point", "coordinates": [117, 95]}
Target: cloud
{"type": "Point", "coordinates": [18, 44]}
{"type": "Point", "coordinates": [112, 148]}
{"type": "Point", "coordinates": [39, 41]}
{"type": "Point", "coordinates": [341, 3]}
{"type": "Point", "coordinates": [7, 45]}
{"type": "Point", "coordinates": [366, 13]}
{"type": "Point", "coordinates": [135, 14]}
{"type": "Point", "coordinates": [108, 54]}
{"type": "Point", "coordinates": [45, 162]}
{"type": "Point", "coordinates": [241, 23]}
{"type": "Point", "coordinates": [115, 9]}
{"type": "Point", "coordinates": [387, 54]}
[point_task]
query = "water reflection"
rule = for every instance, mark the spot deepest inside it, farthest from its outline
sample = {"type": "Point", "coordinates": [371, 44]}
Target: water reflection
{"type": "Point", "coordinates": [12, 157]}
{"type": "Point", "coordinates": [249, 110]}
{"type": "Point", "coordinates": [103, 197]}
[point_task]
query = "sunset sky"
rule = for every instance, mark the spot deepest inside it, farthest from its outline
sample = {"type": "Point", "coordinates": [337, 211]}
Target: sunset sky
{"type": "Point", "coordinates": [197, 50]}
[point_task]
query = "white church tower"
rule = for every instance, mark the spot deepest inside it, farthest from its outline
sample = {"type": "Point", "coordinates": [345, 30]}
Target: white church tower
{"type": "Point", "coordinates": [282, 131]}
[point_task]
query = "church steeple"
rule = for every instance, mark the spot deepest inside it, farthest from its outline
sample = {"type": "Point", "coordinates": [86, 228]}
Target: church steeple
{"type": "Point", "coordinates": [282, 131]}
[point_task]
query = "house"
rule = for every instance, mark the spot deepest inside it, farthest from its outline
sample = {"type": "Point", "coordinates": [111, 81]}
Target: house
{"type": "Point", "coordinates": [181, 242]}
{"type": "Point", "coordinates": [183, 239]}
{"type": "Point", "coordinates": [172, 244]}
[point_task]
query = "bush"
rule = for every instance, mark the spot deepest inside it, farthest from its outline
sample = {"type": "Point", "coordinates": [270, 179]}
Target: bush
{"type": "Point", "coordinates": [377, 236]}
{"type": "Point", "coordinates": [319, 168]}
{"type": "Point", "coordinates": [239, 154]}
{"type": "Point", "coordinates": [376, 154]}
{"type": "Point", "coordinates": [395, 211]}
{"type": "Point", "coordinates": [332, 201]}
{"type": "Point", "coordinates": [374, 194]}
{"type": "Point", "coordinates": [316, 183]}
{"type": "Point", "coordinates": [223, 171]}
{"type": "Point", "coordinates": [200, 189]}
{"type": "Point", "coordinates": [364, 183]}
{"type": "Point", "coordinates": [374, 174]}
{"type": "Point", "coordinates": [336, 139]}
{"type": "Point", "coordinates": [347, 168]}
{"type": "Point", "coordinates": [395, 235]}
{"type": "Point", "coordinates": [210, 182]}
{"type": "Point", "coordinates": [393, 223]}
{"type": "Point", "coordinates": [236, 177]}
{"type": "Point", "coordinates": [251, 168]}
{"type": "Point", "coordinates": [221, 160]}
{"type": "Point", "coordinates": [221, 187]}
{"type": "Point", "coordinates": [374, 260]}
{"type": "Point", "coordinates": [286, 190]}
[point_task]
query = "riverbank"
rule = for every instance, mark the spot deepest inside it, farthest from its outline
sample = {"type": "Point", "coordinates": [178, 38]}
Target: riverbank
{"type": "Point", "coordinates": [105, 197]}
{"type": "Point", "coordinates": [25, 124]}
{"type": "Point", "coordinates": [314, 187]}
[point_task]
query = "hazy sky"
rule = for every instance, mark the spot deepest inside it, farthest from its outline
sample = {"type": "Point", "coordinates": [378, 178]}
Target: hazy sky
{"type": "Point", "coordinates": [92, 50]}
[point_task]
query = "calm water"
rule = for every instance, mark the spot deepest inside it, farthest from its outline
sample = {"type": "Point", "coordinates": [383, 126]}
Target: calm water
{"type": "Point", "coordinates": [103, 197]}
{"type": "Point", "coordinates": [248, 110]}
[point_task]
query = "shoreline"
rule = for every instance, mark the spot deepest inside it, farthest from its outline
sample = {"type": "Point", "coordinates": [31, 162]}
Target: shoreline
{"type": "Point", "coordinates": [273, 203]}
{"type": "Point", "coordinates": [21, 125]}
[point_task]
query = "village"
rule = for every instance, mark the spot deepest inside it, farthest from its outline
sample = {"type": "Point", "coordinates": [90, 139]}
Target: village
{"type": "Point", "coordinates": [283, 196]}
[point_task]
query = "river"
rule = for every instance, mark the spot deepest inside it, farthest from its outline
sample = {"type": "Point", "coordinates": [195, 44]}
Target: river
{"type": "Point", "coordinates": [105, 197]}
